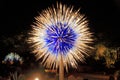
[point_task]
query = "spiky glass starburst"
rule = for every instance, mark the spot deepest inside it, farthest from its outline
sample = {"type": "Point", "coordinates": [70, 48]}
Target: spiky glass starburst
{"type": "Point", "coordinates": [60, 31]}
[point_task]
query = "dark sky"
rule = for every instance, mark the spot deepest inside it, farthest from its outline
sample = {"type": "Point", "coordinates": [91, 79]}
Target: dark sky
{"type": "Point", "coordinates": [103, 15]}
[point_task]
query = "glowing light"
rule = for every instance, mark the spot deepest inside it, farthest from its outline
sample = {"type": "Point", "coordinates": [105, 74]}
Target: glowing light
{"type": "Point", "coordinates": [60, 31]}
{"type": "Point", "coordinates": [36, 78]}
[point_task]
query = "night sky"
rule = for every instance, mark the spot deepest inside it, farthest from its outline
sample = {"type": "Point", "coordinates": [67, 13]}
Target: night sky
{"type": "Point", "coordinates": [103, 16]}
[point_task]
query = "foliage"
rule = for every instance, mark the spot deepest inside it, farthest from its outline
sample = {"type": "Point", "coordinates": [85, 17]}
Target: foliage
{"type": "Point", "coordinates": [110, 55]}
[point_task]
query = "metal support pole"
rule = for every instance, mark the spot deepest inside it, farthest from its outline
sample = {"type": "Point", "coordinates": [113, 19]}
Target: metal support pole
{"type": "Point", "coordinates": [61, 69]}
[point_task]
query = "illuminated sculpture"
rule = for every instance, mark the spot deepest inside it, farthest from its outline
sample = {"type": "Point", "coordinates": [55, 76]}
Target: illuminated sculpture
{"type": "Point", "coordinates": [61, 37]}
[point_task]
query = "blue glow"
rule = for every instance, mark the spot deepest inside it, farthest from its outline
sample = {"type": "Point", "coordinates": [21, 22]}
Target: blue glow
{"type": "Point", "coordinates": [60, 38]}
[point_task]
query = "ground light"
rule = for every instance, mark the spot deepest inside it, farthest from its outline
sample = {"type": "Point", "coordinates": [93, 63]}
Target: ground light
{"type": "Point", "coordinates": [61, 37]}
{"type": "Point", "coordinates": [37, 78]}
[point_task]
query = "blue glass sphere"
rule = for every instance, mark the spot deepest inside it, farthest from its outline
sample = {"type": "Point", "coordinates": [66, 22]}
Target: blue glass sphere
{"type": "Point", "coordinates": [60, 38]}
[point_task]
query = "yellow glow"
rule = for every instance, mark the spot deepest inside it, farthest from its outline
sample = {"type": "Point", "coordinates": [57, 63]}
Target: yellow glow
{"type": "Point", "coordinates": [36, 78]}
